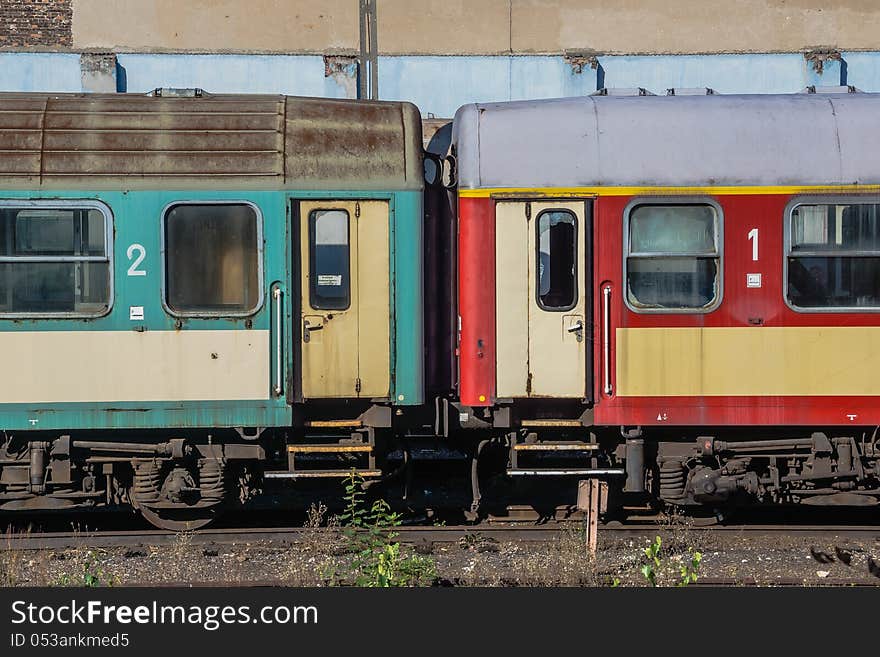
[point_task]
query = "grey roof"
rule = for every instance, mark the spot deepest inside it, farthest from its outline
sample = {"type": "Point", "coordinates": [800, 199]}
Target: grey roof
{"type": "Point", "coordinates": [675, 141]}
{"type": "Point", "coordinates": [131, 141]}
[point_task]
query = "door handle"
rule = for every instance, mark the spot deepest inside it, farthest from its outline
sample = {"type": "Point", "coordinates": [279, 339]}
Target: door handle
{"type": "Point", "coordinates": [578, 329]}
{"type": "Point", "coordinates": [279, 344]}
{"type": "Point", "coordinates": [308, 328]}
{"type": "Point", "coordinates": [606, 339]}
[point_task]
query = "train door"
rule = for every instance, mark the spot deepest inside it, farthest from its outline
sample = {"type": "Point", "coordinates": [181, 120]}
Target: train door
{"type": "Point", "coordinates": [542, 293]}
{"type": "Point", "coordinates": [345, 320]}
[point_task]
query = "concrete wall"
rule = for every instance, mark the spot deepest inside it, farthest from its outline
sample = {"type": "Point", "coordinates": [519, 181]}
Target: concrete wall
{"type": "Point", "coordinates": [285, 26]}
{"type": "Point", "coordinates": [486, 27]}
{"type": "Point", "coordinates": [442, 55]}
{"type": "Point", "coordinates": [693, 26]}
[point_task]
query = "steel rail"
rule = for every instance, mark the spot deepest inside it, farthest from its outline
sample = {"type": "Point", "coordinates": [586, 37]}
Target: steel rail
{"type": "Point", "coordinates": [515, 532]}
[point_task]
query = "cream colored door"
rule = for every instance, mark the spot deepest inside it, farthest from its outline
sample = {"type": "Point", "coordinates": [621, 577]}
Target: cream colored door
{"type": "Point", "coordinates": [345, 319]}
{"type": "Point", "coordinates": [541, 299]}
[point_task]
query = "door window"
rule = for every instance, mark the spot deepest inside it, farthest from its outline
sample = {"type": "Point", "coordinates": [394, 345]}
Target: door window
{"type": "Point", "coordinates": [330, 275]}
{"type": "Point", "coordinates": [556, 260]}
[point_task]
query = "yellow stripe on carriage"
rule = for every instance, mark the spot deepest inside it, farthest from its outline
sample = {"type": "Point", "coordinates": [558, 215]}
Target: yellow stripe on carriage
{"type": "Point", "coordinates": [577, 192]}
{"type": "Point", "coordinates": [748, 361]}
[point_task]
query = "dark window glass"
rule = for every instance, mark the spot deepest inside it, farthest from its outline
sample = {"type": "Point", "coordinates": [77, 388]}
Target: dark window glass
{"type": "Point", "coordinates": [212, 255]}
{"type": "Point", "coordinates": [673, 261]}
{"type": "Point", "coordinates": [672, 282]}
{"type": "Point", "coordinates": [834, 260]}
{"type": "Point", "coordinates": [53, 260]}
{"type": "Point", "coordinates": [557, 260]}
{"type": "Point", "coordinates": [330, 275]}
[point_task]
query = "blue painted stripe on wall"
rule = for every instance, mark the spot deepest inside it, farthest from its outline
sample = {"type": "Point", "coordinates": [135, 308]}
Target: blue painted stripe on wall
{"type": "Point", "coordinates": [441, 84]}
{"type": "Point", "coordinates": [58, 72]}
{"type": "Point", "coordinates": [296, 75]}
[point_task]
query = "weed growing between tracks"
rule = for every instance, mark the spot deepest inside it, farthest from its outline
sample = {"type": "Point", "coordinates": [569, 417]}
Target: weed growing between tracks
{"type": "Point", "coordinates": [373, 557]}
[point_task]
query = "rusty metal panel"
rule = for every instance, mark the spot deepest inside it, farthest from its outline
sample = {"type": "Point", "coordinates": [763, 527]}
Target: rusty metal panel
{"type": "Point", "coordinates": [21, 120]}
{"type": "Point", "coordinates": [129, 141]}
{"type": "Point", "coordinates": [341, 144]}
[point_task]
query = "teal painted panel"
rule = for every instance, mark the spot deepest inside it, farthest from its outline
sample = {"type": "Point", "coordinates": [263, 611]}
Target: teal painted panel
{"type": "Point", "coordinates": [131, 415]}
{"type": "Point", "coordinates": [137, 221]}
{"type": "Point", "coordinates": [408, 299]}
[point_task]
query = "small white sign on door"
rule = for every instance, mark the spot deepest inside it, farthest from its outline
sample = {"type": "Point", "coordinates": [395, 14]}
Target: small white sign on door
{"type": "Point", "coordinates": [136, 313]}
{"type": "Point", "coordinates": [753, 280]}
{"type": "Point", "coordinates": [330, 279]}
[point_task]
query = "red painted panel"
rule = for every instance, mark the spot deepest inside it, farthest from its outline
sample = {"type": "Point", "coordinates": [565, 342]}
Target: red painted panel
{"type": "Point", "coordinates": [740, 307]}
{"type": "Point", "coordinates": [721, 411]}
{"type": "Point", "coordinates": [476, 300]}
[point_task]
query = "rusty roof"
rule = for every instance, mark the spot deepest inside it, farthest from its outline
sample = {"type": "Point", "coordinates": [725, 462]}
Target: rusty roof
{"type": "Point", "coordinates": [130, 141]}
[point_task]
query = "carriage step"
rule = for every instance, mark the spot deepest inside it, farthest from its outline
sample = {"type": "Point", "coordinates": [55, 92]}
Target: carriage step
{"type": "Point", "coordinates": [566, 472]}
{"type": "Point", "coordinates": [327, 449]}
{"type": "Point", "coordinates": [550, 423]}
{"type": "Point", "coordinates": [556, 447]}
{"type": "Point", "coordinates": [322, 474]}
{"type": "Point", "coordinates": [330, 459]}
{"type": "Point", "coordinates": [335, 424]}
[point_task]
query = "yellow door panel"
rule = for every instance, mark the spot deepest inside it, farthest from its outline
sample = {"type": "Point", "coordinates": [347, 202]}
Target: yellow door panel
{"type": "Point", "coordinates": [374, 313]}
{"type": "Point", "coordinates": [329, 310]}
{"type": "Point", "coordinates": [511, 299]}
{"type": "Point", "coordinates": [557, 293]}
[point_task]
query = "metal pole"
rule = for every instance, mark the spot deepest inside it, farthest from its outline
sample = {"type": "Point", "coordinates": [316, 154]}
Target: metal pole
{"type": "Point", "coordinates": [368, 61]}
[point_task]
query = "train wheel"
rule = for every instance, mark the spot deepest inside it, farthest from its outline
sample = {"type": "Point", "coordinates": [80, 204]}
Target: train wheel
{"type": "Point", "coordinates": [181, 519]}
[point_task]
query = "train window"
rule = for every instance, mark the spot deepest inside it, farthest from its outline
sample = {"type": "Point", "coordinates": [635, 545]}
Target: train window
{"type": "Point", "coordinates": [55, 259]}
{"type": "Point", "coordinates": [833, 259]}
{"type": "Point", "coordinates": [673, 259]}
{"type": "Point", "coordinates": [329, 278]}
{"type": "Point", "coordinates": [212, 259]}
{"type": "Point", "coordinates": [557, 260]}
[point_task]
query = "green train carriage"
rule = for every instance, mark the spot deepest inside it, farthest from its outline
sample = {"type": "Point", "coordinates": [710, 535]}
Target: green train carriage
{"type": "Point", "coordinates": [188, 281]}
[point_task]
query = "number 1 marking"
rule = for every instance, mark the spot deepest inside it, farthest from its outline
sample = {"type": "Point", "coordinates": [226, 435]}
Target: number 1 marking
{"type": "Point", "coordinates": [753, 238]}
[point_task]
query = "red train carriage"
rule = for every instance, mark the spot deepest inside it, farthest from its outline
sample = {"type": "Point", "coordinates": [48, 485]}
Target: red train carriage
{"type": "Point", "coordinates": [683, 290]}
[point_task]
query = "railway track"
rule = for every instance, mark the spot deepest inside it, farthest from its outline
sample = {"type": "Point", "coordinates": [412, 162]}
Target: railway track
{"type": "Point", "coordinates": [509, 532]}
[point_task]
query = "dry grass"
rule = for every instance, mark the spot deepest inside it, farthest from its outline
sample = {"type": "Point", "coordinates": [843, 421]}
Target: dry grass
{"type": "Point", "coordinates": [565, 561]}
{"type": "Point", "coordinates": [11, 563]}
{"type": "Point", "coordinates": [317, 554]}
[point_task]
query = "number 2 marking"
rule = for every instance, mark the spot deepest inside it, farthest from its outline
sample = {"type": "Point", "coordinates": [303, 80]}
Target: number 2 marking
{"type": "Point", "coordinates": [753, 238]}
{"type": "Point", "coordinates": [141, 254]}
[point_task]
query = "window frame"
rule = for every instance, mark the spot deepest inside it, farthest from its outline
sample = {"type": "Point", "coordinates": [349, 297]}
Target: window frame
{"type": "Point", "coordinates": [312, 229]}
{"type": "Point", "coordinates": [575, 273]}
{"type": "Point", "coordinates": [109, 248]}
{"type": "Point", "coordinates": [163, 254]}
{"type": "Point", "coordinates": [719, 241]}
{"type": "Point", "coordinates": [787, 251]}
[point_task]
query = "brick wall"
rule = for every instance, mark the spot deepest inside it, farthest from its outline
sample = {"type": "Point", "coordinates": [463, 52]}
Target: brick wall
{"type": "Point", "coordinates": [36, 24]}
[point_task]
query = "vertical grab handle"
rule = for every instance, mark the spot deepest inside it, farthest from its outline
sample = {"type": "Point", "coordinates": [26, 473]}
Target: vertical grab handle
{"type": "Point", "coordinates": [277, 296]}
{"type": "Point", "coordinates": [606, 339]}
